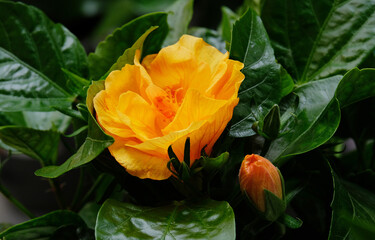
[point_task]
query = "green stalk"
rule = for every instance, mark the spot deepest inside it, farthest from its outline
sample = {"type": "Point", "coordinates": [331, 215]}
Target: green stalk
{"type": "Point", "coordinates": [57, 191]}
{"type": "Point", "coordinates": [19, 205]}
{"type": "Point", "coordinates": [78, 192]}
{"type": "Point", "coordinates": [89, 193]}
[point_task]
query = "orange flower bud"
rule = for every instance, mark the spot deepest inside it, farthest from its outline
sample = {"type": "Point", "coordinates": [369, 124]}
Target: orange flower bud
{"type": "Point", "coordinates": [256, 175]}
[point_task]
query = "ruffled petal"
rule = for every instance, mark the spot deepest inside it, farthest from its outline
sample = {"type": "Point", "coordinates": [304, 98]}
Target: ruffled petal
{"type": "Point", "coordinates": [108, 118]}
{"type": "Point", "coordinates": [203, 52]}
{"type": "Point", "coordinates": [130, 78]}
{"type": "Point", "coordinates": [195, 107]}
{"type": "Point", "coordinates": [227, 81]}
{"type": "Point", "coordinates": [139, 115]}
{"type": "Point", "coordinates": [139, 163]}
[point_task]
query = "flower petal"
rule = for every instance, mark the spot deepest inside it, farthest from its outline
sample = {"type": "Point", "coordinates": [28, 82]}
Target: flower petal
{"type": "Point", "coordinates": [195, 107]}
{"type": "Point", "coordinates": [203, 51]}
{"type": "Point", "coordinates": [139, 163]}
{"type": "Point", "coordinates": [130, 78]}
{"type": "Point", "coordinates": [139, 115]}
{"type": "Point", "coordinates": [108, 118]}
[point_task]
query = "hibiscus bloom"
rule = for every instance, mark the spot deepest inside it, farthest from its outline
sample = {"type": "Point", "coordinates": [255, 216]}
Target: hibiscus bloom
{"type": "Point", "coordinates": [188, 89]}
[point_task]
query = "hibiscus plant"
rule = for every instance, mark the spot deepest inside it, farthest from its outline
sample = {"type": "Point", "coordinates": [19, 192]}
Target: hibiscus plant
{"type": "Point", "coordinates": [262, 128]}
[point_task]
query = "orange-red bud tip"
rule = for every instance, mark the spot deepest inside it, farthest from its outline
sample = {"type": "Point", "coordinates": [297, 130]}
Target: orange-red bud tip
{"type": "Point", "coordinates": [257, 174]}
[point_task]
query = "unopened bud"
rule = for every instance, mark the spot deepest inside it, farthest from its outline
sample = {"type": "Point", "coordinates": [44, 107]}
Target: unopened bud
{"type": "Point", "coordinates": [258, 178]}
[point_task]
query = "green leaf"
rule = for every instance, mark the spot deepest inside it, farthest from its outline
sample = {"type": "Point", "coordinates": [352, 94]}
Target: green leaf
{"type": "Point", "coordinates": [290, 221]}
{"type": "Point", "coordinates": [227, 20]}
{"type": "Point", "coordinates": [128, 56]}
{"type": "Point", "coordinates": [94, 88]}
{"type": "Point", "coordinates": [187, 152]}
{"type": "Point", "coordinates": [76, 84]}
{"type": "Point", "coordinates": [261, 88]}
{"type": "Point", "coordinates": [38, 144]}
{"type": "Point", "coordinates": [89, 213]}
{"type": "Point", "coordinates": [4, 226]}
{"type": "Point", "coordinates": [45, 226]}
{"type": "Point", "coordinates": [23, 88]}
{"type": "Point", "coordinates": [40, 46]}
{"type": "Point", "coordinates": [271, 125]}
{"type": "Point", "coordinates": [214, 164]}
{"type": "Point", "coordinates": [53, 121]}
{"type": "Point", "coordinates": [314, 121]}
{"type": "Point", "coordinates": [70, 112]}
{"type": "Point", "coordinates": [206, 219]}
{"type": "Point", "coordinates": [109, 50]}
{"type": "Point", "coordinates": [287, 83]}
{"type": "Point", "coordinates": [275, 206]}
{"type": "Point", "coordinates": [36, 120]}
{"type": "Point", "coordinates": [319, 39]}
{"type": "Point", "coordinates": [353, 211]}
{"type": "Point", "coordinates": [256, 5]}
{"type": "Point", "coordinates": [356, 85]}
{"type": "Point", "coordinates": [179, 17]}
{"type": "Point", "coordinates": [95, 143]}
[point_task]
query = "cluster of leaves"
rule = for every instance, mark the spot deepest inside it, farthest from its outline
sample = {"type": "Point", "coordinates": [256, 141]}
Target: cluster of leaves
{"type": "Point", "coordinates": [303, 96]}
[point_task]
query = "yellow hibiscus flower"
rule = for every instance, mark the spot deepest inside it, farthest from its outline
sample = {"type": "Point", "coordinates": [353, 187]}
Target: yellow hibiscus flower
{"type": "Point", "coordinates": [188, 89]}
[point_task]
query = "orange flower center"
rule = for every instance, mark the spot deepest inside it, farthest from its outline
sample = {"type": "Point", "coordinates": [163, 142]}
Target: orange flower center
{"type": "Point", "coordinates": [169, 103]}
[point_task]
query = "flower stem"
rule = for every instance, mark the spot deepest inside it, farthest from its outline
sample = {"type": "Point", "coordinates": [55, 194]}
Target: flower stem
{"type": "Point", "coordinates": [89, 193]}
{"type": "Point", "coordinates": [78, 192]}
{"type": "Point", "coordinates": [57, 191]}
{"type": "Point", "coordinates": [19, 205]}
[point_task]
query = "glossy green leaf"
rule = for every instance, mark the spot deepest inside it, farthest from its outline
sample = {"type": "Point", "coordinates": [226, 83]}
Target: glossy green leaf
{"type": "Point", "coordinates": [128, 56]}
{"type": "Point", "coordinates": [313, 122]}
{"type": "Point", "coordinates": [261, 88]}
{"type": "Point", "coordinates": [109, 50]}
{"type": "Point", "coordinates": [23, 88]}
{"type": "Point", "coordinates": [206, 219]}
{"type": "Point", "coordinates": [38, 144]}
{"type": "Point", "coordinates": [356, 85]}
{"type": "Point", "coordinates": [76, 84]}
{"type": "Point", "coordinates": [319, 39]}
{"type": "Point", "coordinates": [96, 141]}
{"type": "Point", "coordinates": [353, 211]}
{"type": "Point", "coordinates": [47, 121]}
{"type": "Point", "coordinates": [179, 17]}
{"type": "Point", "coordinates": [44, 227]}
{"type": "Point", "coordinates": [38, 43]}
{"type": "Point", "coordinates": [36, 120]}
